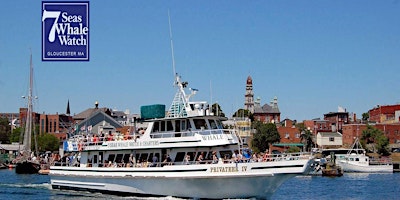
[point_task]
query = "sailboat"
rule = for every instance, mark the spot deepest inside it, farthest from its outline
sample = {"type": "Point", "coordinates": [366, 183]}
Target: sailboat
{"type": "Point", "coordinates": [26, 162]}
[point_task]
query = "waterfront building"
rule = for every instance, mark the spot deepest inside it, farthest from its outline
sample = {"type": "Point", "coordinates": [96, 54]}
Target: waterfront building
{"type": "Point", "coordinates": [327, 140]}
{"type": "Point", "coordinates": [385, 114]}
{"type": "Point", "coordinates": [337, 119]}
{"type": "Point", "coordinates": [318, 125]}
{"type": "Point", "coordinates": [290, 136]}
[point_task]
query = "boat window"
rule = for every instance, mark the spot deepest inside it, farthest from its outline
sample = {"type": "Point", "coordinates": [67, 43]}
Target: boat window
{"type": "Point", "coordinates": [179, 156]}
{"type": "Point", "coordinates": [150, 159]}
{"type": "Point", "coordinates": [162, 126]}
{"type": "Point", "coordinates": [143, 157]}
{"type": "Point", "coordinates": [137, 157]}
{"type": "Point", "coordinates": [219, 124]}
{"type": "Point", "coordinates": [100, 157]}
{"type": "Point", "coordinates": [169, 126]}
{"type": "Point", "coordinates": [126, 158]}
{"type": "Point", "coordinates": [95, 159]}
{"type": "Point", "coordinates": [208, 155]}
{"type": "Point", "coordinates": [156, 127]}
{"type": "Point", "coordinates": [111, 157]}
{"type": "Point", "coordinates": [213, 124]}
{"type": "Point", "coordinates": [177, 126]}
{"type": "Point", "coordinates": [118, 159]}
{"type": "Point", "coordinates": [189, 125]}
{"type": "Point", "coordinates": [199, 123]}
{"type": "Point", "coordinates": [183, 125]}
{"type": "Point", "coordinates": [226, 154]}
{"type": "Point", "coordinates": [192, 155]}
{"type": "Point", "coordinates": [357, 159]}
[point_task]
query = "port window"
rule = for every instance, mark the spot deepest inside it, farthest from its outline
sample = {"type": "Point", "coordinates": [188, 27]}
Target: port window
{"type": "Point", "coordinates": [213, 124]}
{"type": "Point", "coordinates": [156, 127]}
{"type": "Point", "coordinates": [179, 156]}
{"type": "Point", "coordinates": [331, 139]}
{"type": "Point", "coordinates": [183, 125]}
{"type": "Point", "coordinates": [162, 125]}
{"type": "Point", "coordinates": [226, 154]}
{"type": "Point", "coordinates": [200, 123]}
{"type": "Point", "coordinates": [169, 126]}
{"type": "Point", "coordinates": [126, 158]}
{"type": "Point", "coordinates": [118, 159]}
{"type": "Point", "coordinates": [111, 157]}
{"type": "Point", "coordinates": [143, 157]}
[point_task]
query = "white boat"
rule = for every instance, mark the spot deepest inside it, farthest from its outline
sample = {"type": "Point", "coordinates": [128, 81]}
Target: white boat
{"type": "Point", "coordinates": [186, 132]}
{"type": "Point", "coordinates": [356, 161]}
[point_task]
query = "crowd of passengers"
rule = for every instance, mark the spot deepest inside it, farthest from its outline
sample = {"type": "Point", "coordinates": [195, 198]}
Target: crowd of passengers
{"type": "Point", "coordinates": [244, 156]}
{"type": "Point", "coordinates": [94, 138]}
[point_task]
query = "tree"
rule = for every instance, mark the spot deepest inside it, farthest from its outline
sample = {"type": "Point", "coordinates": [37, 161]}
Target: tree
{"type": "Point", "coordinates": [379, 141]}
{"type": "Point", "coordinates": [15, 135]}
{"type": "Point", "coordinates": [48, 142]}
{"type": "Point", "coordinates": [265, 135]}
{"type": "Point", "coordinates": [5, 130]}
{"type": "Point", "coordinates": [216, 109]}
{"type": "Point", "coordinates": [244, 113]}
{"type": "Point", "coordinates": [306, 136]}
{"type": "Point", "coordinates": [365, 116]}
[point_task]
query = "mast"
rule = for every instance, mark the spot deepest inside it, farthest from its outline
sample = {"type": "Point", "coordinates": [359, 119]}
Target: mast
{"type": "Point", "coordinates": [28, 123]}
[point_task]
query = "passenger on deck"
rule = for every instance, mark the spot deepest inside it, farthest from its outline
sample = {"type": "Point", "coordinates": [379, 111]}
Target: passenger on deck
{"type": "Point", "coordinates": [266, 156]}
{"type": "Point", "coordinates": [240, 157]}
{"type": "Point", "coordinates": [200, 159]}
{"type": "Point", "coordinates": [167, 160]}
{"type": "Point", "coordinates": [155, 161]}
{"type": "Point", "coordinates": [214, 157]}
{"type": "Point", "coordinates": [186, 160]}
{"type": "Point", "coordinates": [234, 157]}
{"type": "Point", "coordinates": [132, 160]}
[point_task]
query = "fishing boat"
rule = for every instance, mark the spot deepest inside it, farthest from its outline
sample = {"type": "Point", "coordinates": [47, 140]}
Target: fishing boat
{"type": "Point", "coordinates": [185, 152]}
{"type": "Point", "coordinates": [26, 162]}
{"type": "Point", "coordinates": [357, 161]}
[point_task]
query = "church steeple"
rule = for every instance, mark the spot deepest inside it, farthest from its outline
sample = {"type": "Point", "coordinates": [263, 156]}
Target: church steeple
{"type": "Point", "coordinates": [68, 111]}
{"type": "Point", "coordinates": [249, 96]}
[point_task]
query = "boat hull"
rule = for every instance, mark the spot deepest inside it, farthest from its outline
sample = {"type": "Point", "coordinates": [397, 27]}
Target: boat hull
{"type": "Point", "coordinates": [350, 167]}
{"type": "Point", "coordinates": [27, 167]}
{"type": "Point", "coordinates": [197, 181]}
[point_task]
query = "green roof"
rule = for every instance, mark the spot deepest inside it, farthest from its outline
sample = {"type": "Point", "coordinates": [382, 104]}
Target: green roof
{"type": "Point", "coordinates": [288, 144]}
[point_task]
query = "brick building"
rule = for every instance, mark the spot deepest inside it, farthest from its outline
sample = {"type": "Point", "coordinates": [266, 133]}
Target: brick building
{"type": "Point", "coordinates": [57, 124]}
{"type": "Point", "coordinates": [391, 131]}
{"type": "Point", "coordinates": [318, 125]}
{"type": "Point", "coordinates": [267, 113]}
{"type": "Point", "coordinates": [385, 114]}
{"type": "Point", "coordinates": [337, 119]}
{"type": "Point", "coordinates": [290, 136]}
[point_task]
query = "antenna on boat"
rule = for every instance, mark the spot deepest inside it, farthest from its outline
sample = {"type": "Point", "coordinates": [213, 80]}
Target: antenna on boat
{"type": "Point", "coordinates": [172, 44]}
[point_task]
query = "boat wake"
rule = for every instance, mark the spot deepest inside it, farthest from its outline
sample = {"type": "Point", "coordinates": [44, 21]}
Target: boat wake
{"type": "Point", "coordinates": [22, 185]}
{"type": "Point", "coordinates": [63, 194]}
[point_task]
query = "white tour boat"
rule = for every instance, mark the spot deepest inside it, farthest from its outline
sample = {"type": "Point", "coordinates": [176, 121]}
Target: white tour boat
{"type": "Point", "coordinates": [356, 161]}
{"type": "Point", "coordinates": [164, 160]}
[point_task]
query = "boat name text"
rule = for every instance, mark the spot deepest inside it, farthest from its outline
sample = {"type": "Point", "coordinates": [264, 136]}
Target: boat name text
{"type": "Point", "coordinates": [133, 144]}
{"type": "Point", "coordinates": [213, 137]}
{"type": "Point", "coordinates": [226, 169]}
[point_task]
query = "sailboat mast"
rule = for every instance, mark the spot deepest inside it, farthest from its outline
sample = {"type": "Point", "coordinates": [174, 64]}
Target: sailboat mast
{"type": "Point", "coordinates": [28, 123]}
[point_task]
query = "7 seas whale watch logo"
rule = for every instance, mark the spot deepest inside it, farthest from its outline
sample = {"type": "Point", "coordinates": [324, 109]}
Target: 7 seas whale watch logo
{"type": "Point", "coordinates": [65, 31]}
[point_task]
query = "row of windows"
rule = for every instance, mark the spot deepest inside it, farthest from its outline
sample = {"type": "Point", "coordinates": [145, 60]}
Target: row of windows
{"type": "Point", "coordinates": [183, 125]}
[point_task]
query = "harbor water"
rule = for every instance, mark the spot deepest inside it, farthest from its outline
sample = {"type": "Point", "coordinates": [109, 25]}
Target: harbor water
{"type": "Point", "coordinates": [352, 186]}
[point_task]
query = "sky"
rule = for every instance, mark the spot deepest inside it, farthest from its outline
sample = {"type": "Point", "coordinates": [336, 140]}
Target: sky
{"type": "Point", "coordinates": [312, 55]}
